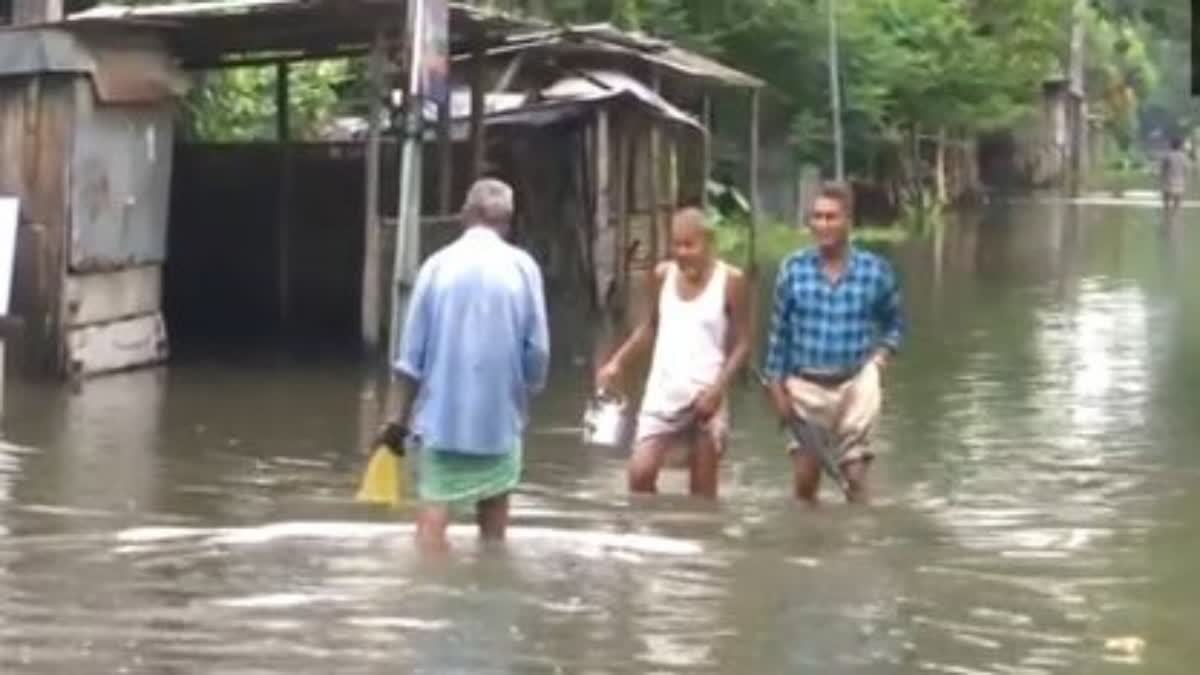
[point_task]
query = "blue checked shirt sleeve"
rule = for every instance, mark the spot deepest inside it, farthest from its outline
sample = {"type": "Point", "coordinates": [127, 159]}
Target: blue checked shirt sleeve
{"type": "Point", "coordinates": [778, 342]}
{"type": "Point", "coordinates": [890, 311]}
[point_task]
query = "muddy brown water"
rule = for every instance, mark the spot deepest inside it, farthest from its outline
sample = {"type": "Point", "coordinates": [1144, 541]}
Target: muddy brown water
{"type": "Point", "coordinates": [1036, 504]}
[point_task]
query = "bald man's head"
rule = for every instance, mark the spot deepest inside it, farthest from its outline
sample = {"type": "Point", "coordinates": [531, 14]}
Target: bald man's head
{"type": "Point", "coordinates": [692, 219]}
{"type": "Point", "coordinates": [692, 239]}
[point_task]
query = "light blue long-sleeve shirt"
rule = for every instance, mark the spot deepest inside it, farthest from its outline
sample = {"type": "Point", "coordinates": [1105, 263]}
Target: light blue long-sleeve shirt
{"type": "Point", "coordinates": [476, 340]}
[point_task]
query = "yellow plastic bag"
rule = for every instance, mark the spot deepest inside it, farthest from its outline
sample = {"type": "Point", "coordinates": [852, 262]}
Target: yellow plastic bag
{"type": "Point", "coordinates": [385, 480]}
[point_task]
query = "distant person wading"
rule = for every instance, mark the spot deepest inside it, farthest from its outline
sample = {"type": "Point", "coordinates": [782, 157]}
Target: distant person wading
{"type": "Point", "coordinates": [1174, 168]}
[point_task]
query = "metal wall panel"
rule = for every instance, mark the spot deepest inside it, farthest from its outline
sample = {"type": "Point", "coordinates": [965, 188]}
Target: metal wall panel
{"type": "Point", "coordinates": [120, 184]}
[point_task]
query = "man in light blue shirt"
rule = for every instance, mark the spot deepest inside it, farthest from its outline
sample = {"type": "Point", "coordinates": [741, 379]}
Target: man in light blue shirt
{"type": "Point", "coordinates": [475, 351]}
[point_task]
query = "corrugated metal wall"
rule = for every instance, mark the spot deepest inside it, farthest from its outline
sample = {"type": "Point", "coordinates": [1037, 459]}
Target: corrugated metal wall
{"type": "Point", "coordinates": [120, 177]}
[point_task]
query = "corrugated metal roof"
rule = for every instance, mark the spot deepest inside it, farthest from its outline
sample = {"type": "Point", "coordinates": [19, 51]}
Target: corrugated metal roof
{"type": "Point", "coordinates": [168, 10]}
{"type": "Point", "coordinates": [601, 85]}
{"type": "Point", "coordinates": [605, 38]}
{"type": "Point", "coordinates": [207, 32]}
{"type": "Point", "coordinates": [231, 25]}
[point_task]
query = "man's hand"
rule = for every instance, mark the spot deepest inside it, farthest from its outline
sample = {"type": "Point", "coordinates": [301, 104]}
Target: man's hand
{"type": "Point", "coordinates": [392, 434]}
{"type": "Point", "coordinates": [608, 375]}
{"type": "Point", "coordinates": [780, 401]}
{"type": "Point", "coordinates": [707, 403]}
{"type": "Point", "coordinates": [882, 359]}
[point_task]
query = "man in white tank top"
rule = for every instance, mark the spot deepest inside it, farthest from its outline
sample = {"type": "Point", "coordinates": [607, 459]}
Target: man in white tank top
{"type": "Point", "coordinates": [698, 325]}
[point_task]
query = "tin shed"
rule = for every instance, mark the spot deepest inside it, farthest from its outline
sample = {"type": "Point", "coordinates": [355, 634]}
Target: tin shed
{"type": "Point", "coordinates": [86, 126]}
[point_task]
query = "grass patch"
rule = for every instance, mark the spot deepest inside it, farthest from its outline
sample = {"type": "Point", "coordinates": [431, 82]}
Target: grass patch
{"type": "Point", "coordinates": [777, 240]}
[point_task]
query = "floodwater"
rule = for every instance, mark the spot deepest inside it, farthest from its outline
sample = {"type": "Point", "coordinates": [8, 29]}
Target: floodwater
{"type": "Point", "coordinates": [1036, 505]}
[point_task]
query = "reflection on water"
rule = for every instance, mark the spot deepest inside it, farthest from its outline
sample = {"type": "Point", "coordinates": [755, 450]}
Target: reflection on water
{"type": "Point", "coordinates": [1034, 513]}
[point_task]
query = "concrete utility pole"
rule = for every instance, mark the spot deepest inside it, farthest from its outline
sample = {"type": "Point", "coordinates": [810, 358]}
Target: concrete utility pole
{"type": "Point", "coordinates": [408, 218]}
{"type": "Point", "coordinates": [835, 93]}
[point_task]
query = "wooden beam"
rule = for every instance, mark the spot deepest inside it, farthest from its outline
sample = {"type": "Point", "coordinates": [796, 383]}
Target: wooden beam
{"type": "Point", "coordinates": [510, 73]}
{"type": "Point", "coordinates": [372, 308]}
{"type": "Point", "coordinates": [227, 63]}
{"type": "Point", "coordinates": [478, 140]}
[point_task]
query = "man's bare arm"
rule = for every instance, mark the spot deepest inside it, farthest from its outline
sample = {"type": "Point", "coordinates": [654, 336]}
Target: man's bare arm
{"type": "Point", "coordinates": [737, 300]}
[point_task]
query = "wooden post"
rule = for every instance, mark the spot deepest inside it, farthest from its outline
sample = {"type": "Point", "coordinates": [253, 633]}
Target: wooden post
{"type": "Point", "coordinates": [755, 202]}
{"type": "Point", "coordinates": [603, 197]}
{"type": "Point", "coordinates": [372, 309]}
{"type": "Point", "coordinates": [282, 101]}
{"type": "Point", "coordinates": [707, 120]}
{"type": "Point", "coordinates": [283, 223]}
{"type": "Point", "coordinates": [623, 199]}
{"type": "Point", "coordinates": [478, 134]}
{"type": "Point", "coordinates": [655, 181]}
{"type": "Point", "coordinates": [445, 158]}
{"type": "Point", "coordinates": [755, 214]}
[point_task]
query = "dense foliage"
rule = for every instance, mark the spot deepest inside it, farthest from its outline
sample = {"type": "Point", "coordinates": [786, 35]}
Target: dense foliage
{"type": "Point", "coordinates": [910, 68]}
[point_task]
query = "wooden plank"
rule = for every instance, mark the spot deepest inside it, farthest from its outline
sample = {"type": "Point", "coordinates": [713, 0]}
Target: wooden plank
{"type": "Point", "coordinates": [120, 345]}
{"type": "Point", "coordinates": [109, 296]}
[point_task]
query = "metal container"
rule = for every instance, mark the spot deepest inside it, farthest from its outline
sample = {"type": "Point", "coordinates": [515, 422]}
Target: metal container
{"type": "Point", "coordinates": [604, 420]}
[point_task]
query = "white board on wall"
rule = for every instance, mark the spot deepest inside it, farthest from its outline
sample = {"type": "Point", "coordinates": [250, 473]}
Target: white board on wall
{"type": "Point", "coordinates": [9, 209]}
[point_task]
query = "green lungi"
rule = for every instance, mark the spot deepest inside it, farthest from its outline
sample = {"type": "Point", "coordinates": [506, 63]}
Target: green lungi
{"type": "Point", "coordinates": [459, 480]}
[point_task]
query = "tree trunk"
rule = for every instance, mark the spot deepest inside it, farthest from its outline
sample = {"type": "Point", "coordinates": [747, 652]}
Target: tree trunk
{"type": "Point", "coordinates": [942, 187]}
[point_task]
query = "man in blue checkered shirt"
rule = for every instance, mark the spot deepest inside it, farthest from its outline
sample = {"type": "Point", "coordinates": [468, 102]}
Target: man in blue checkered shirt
{"type": "Point", "coordinates": [835, 324]}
